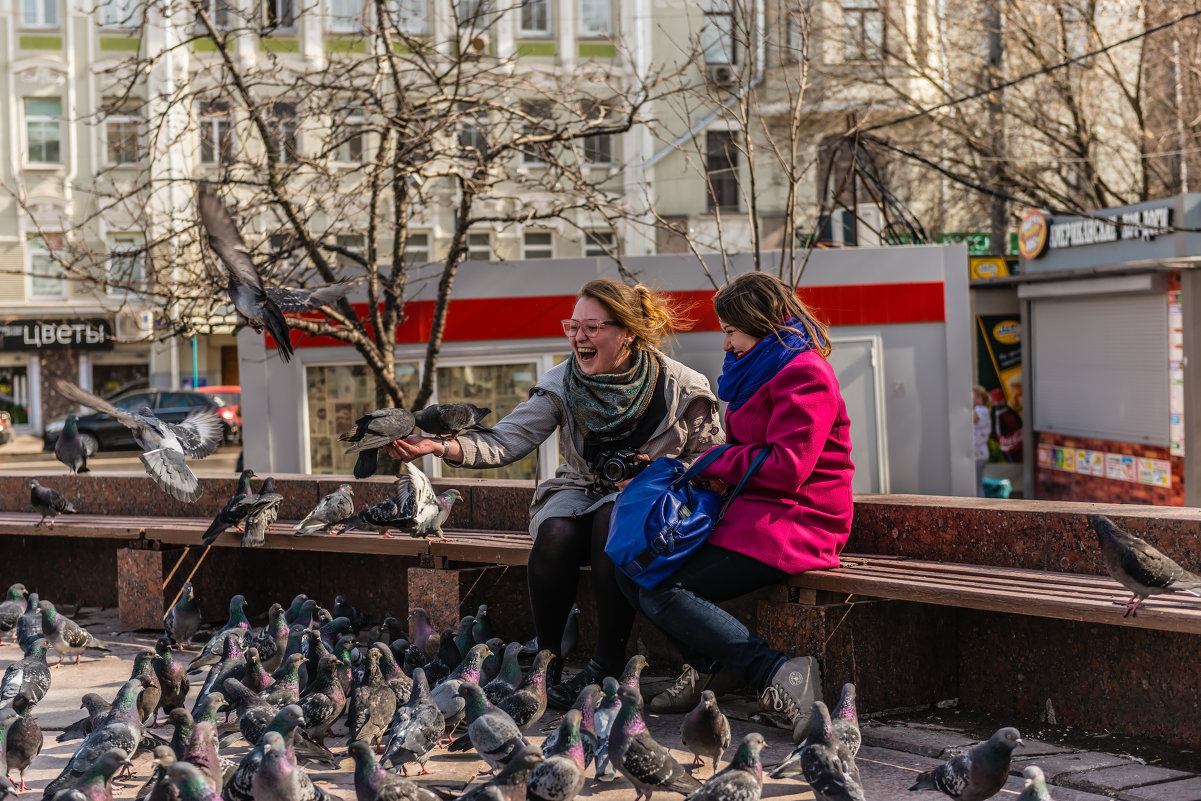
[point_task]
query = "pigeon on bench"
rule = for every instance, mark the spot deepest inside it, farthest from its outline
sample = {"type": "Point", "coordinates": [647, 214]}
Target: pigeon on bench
{"type": "Point", "coordinates": [1139, 567]}
{"type": "Point", "coordinates": [49, 502]}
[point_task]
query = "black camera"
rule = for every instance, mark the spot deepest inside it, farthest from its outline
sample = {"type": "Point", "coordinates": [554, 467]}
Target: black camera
{"type": "Point", "coordinates": [613, 467]}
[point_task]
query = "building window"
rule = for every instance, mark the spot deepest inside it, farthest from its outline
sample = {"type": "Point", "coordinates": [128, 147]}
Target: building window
{"type": "Point", "coordinates": [122, 139]}
{"type": "Point", "coordinates": [796, 36]}
{"type": "Point", "coordinates": [120, 13]}
{"type": "Point", "coordinates": [47, 280]}
{"type": "Point", "coordinates": [285, 122]}
{"type": "Point", "coordinates": [126, 263]}
{"type": "Point", "coordinates": [479, 246]}
{"type": "Point", "coordinates": [279, 14]}
{"type": "Point", "coordinates": [412, 17]}
{"type": "Point", "coordinates": [596, 18]}
{"type": "Point", "coordinates": [721, 170]}
{"type": "Point", "coordinates": [216, 133]}
{"type": "Point", "coordinates": [538, 245]}
{"type": "Point", "coordinates": [598, 149]}
{"type": "Point", "coordinates": [417, 247]}
{"type": "Point", "coordinates": [499, 387]}
{"type": "Point", "coordinates": [284, 255]}
{"type": "Point", "coordinates": [600, 244]}
{"type": "Point", "coordinates": [717, 35]}
{"type": "Point", "coordinates": [345, 16]}
{"type": "Point", "coordinates": [350, 138]}
{"type": "Point", "coordinates": [539, 113]}
{"type": "Point", "coordinates": [44, 130]}
{"type": "Point", "coordinates": [864, 20]}
{"type": "Point", "coordinates": [473, 130]}
{"type": "Point", "coordinates": [219, 12]}
{"type": "Point", "coordinates": [356, 244]}
{"type": "Point", "coordinates": [535, 18]}
{"type": "Point", "coordinates": [337, 395]}
{"type": "Point", "coordinates": [39, 13]}
{"type": "Point", "coordinates": [472, 13]}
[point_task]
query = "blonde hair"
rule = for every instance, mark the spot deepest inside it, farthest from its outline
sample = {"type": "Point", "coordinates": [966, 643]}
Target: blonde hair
{"type": "Point", "coordinates": [651, 317]}
{"type": "Point", "coordinates": [757, 304]}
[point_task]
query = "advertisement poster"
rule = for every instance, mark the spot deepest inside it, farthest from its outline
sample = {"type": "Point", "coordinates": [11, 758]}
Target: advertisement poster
{"type": "Point", "coordinates": [999, 356]}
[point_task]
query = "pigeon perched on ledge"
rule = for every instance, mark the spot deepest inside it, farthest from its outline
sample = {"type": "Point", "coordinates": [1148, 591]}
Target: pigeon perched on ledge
{"type": "Point", "coordinates": [49, 502]}
{"type": "Point", "coordinates": [1139, 567]}
{"type": "Point", "coordinates": [331, 509]}
{"type": "Point", "coordinates": [413, 508]}
{"type": "Point", "coordinates": [69, 449]}
{"type": "Point", "coordinates": [164, 444]}
{"type": "Point", "coordinates": [235, 510]}
{"type": "Point", "coordinates": [263, 512]}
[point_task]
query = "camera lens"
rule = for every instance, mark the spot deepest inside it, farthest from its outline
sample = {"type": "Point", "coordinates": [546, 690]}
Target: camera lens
{"type": "Point", "coordinates": [613, 470]}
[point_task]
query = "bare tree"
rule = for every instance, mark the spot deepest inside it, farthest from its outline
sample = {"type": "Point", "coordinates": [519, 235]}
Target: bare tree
{"type": "Point", "coordinates": [331, 158]}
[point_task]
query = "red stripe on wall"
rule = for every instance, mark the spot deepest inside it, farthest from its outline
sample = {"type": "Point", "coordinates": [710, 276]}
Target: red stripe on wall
{"type": "Point", "coordinates": [534, 317]}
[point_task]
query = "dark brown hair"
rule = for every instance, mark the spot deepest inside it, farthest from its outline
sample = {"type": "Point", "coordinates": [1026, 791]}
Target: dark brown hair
{"type": "Point", "coordinates": [651, 317]}
{"type": "Point", "coordinates": [757, 304]}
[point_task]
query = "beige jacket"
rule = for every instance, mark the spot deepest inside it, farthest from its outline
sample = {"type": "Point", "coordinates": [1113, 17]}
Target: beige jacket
{"type": "Point", "coordinates": [691, 426]}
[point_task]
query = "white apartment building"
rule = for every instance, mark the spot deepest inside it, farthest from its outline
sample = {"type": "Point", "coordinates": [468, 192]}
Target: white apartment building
{"type": "Point", "coordinates": [69, 146]}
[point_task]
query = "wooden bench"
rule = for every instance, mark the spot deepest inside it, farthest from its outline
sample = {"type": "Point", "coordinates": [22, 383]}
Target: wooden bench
{"type": "Point", "coordinates": [1063, 596]}
{"type": "Point", "coordinates": [1040, 593]}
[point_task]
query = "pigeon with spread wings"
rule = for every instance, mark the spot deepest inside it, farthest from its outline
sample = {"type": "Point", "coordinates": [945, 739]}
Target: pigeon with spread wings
{"type": "Point", "coordinates": [164, 444]}
{"type": "Point", "coordinates": [263, 307]}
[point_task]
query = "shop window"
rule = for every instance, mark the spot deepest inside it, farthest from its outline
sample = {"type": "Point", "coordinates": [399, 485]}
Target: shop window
{"type": "Point", "coordinates": [112, 379]}
{"type": "Point", "coordinates": [499, 387]}
{"type": "Point", "coordinates": [14, 393]}
{"type": "Point", "coordinates": [337, 396]}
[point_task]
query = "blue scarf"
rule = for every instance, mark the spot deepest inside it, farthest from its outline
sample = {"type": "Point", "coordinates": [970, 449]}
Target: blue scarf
{"type": "Point", "coordinates": [741, 377]}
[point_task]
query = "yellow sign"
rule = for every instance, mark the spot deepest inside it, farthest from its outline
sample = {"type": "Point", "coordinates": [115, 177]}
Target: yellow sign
{"type": "Point", "coordinates": [988, 266]}
{"type": "Point", "coordinates": [1033, 234]}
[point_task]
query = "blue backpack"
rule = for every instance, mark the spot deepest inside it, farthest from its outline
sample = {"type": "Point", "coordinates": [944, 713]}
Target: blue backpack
{"type": "Point", "coordinates": [660, 518]}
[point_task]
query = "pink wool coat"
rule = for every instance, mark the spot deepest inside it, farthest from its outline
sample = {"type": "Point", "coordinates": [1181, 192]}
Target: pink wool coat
{"type": "Point", "coordinates": [796, 513]}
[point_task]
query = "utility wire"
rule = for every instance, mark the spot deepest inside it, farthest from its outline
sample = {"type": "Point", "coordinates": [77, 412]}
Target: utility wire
{"type": "Point", "coordinates": [1044, 71]}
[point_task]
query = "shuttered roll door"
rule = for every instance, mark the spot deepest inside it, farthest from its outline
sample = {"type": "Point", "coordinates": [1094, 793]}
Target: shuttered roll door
{"type": "Point", "coordinates": [1101, 367]}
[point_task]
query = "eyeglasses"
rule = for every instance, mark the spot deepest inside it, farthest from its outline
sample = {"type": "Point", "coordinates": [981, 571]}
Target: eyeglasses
{"type": "Point", "coordinates": [591, 326]}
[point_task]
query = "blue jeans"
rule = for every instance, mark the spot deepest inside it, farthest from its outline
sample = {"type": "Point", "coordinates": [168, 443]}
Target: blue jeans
{"type": "Point", "coordinates": [684, 607]}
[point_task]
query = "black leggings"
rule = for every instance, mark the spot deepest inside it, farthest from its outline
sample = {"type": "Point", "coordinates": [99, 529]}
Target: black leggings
{"type": "Point", "coordinates": [562, 547]}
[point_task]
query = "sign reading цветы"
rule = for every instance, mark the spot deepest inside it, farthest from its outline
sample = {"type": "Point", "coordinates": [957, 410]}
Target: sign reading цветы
{"type": "Point", "coordinates": [38, 335]}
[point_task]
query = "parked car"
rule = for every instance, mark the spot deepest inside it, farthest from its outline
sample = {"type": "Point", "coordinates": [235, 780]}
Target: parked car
{"type": "Point", "coordinates": [6, 428]}
{"type": "Point", "coordinates": [102, 432]}
{"type": "Point", "coordinates": [229, 407]}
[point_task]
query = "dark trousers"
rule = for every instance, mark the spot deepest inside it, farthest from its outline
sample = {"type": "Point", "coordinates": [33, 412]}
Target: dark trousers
{"type": "Point", "coordinates": [684, 607]}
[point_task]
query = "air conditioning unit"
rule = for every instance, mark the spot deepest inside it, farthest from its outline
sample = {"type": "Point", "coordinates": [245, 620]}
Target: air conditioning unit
{"type": "Point", "coordinates": [475, 46]}
{"type": "Point", "coordinates": [871, 224]}
{"type": "Point", "coordinates": [723, 74]}
{"type": "Point", "coordinates": [135, 326]}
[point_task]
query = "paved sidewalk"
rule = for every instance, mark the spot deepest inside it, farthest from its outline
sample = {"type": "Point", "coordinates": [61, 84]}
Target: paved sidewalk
{"type": "Point", "coordinates": [892, 754]}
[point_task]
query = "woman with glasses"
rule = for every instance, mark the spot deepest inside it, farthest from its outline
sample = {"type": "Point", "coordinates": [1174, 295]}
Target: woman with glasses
{"type": "Point", "coordinates": [617, 403]}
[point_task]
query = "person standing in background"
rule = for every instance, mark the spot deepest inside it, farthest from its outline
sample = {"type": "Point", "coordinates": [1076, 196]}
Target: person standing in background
{"type": "Point", "coordinates": [981, 429]}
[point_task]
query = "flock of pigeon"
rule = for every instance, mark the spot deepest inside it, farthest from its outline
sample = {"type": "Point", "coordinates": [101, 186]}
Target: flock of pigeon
{"type": "Point", "coordinates": [402, 692]}
{"type": "Point", "coordinates": [413, 507]}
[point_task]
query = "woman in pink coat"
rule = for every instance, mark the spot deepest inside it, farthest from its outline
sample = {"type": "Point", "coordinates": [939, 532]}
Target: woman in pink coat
{"type": "Point", "coordinates": [793, 516]}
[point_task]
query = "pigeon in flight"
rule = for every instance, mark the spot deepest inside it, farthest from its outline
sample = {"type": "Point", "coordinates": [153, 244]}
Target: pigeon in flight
{"type": "Point", "coordinates": [49, 502]}
{"type": "Point", "coordinates": [69, 449]}
{"type": "Point", "coordinates": [164, 444]}
{"type": "Point", "coordinates": [262, 307]}
{"type": "Point", "coordinates": [373, 431]}
{"type": "Point", "coordinates": [331, 509]}
{"type": "Point", "coordinates": [1139, 567]}
{"type": "Point", "coordinates": [451, 419]}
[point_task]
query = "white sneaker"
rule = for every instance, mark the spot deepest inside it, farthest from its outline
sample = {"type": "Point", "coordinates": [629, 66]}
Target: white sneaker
{"type": "Point", "coordinates": [789, 698]}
